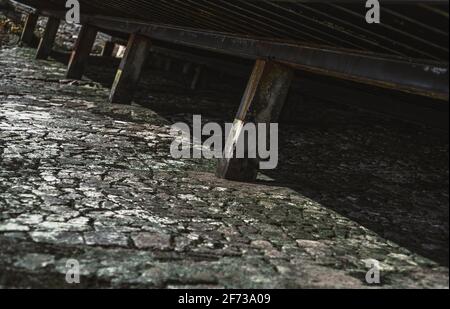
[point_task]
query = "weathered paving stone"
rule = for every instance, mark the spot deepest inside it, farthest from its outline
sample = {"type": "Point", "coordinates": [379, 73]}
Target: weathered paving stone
{"type": "Point", "coordinates": [13, 227]}
{"type": "Point", "coordinates": [63, 226]}
{"type": "Point", "coordinates": [314, 248]}
{"type": "Point", "coordinates": [30, 219]}
{"type": "Point", "coordinates": [57, 237]}
{"type": "Point", "coordinates": [35, 261]}
{"type": "Point", "coordinates": [82, 179]}
{"type": "Point", "coordinates": [152, 241]}
{"type": "Point", "coordinates": [106, 238]}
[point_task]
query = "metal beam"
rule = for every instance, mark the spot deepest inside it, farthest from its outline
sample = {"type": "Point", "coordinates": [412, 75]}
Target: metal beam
{"type": "Point", "coordinates": [420, 77]}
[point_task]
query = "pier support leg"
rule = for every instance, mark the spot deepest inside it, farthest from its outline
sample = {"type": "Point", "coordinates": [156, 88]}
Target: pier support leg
{"type": "Point", "coordinates": [197, 76]}
{"type": "Point", "coordinates": [186, 68]}
{"type": "Point", "coordinates": [81, 52]}
{"type": "Point", "coordinates": [27, 37]}
{"type": "Point", "coordinates": [168, 65]}
{"type": "Point", "coordinates": [108, 49]}
{"type": "Point", "coordinates": [48, 38]}
{"type": "Point", "coordinates": [263, 101]}
{"type": "Point", "coordinates": [129, 72]}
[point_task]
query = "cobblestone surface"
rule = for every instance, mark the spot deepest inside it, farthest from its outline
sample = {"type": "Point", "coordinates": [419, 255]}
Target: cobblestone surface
{"type": "Point", "coordinates": [81, 179]}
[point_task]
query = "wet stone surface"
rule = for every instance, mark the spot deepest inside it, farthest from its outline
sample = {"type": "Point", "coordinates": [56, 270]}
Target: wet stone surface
{"type": "Point", "coordinates": [81, 179]}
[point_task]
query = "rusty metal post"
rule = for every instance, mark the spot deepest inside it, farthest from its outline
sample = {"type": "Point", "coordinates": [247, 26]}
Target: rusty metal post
{"type": "Point", "coordinates": [129, 72]}
{"type": "Point", "coordinates": [48, 38]}
{"type": "Point", "coordinates": [81, 52]}
{"type": "Point", "coordinates": [266, 94]}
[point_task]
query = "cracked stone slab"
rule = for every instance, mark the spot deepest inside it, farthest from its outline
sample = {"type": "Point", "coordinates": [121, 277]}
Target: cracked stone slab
{"type": "Point", "coordinates": [152, 241]}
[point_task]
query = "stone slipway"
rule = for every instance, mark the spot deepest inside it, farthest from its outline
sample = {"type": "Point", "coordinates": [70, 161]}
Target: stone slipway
{"type": "Point", "coordinates": [83, 180]}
